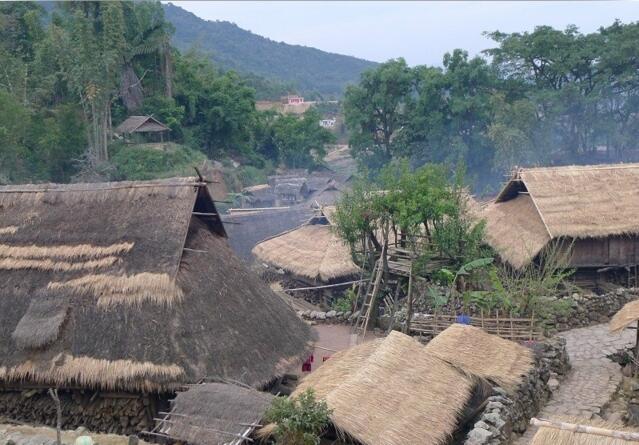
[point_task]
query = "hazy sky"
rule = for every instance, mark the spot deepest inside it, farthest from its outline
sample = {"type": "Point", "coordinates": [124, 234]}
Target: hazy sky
{"type": "Point", "coordinates": [421, 32]}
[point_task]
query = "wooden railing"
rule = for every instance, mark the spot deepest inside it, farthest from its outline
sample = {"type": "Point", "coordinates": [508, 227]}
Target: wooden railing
{"type": "Point", "coordinates": [502, 324]}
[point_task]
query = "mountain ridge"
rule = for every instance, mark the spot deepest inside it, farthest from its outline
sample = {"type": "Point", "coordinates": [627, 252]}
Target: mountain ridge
{"type": "Point", "coordinates": [306, 68]}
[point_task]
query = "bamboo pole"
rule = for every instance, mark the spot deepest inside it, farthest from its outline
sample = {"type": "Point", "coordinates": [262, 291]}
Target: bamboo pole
{"type": "Point", "coordinates": [587, 429]}
{"type": "Point", "coordinates": [409, 310]}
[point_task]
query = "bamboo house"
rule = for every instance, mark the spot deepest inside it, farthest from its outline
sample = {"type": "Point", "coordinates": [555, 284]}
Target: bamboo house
{"type": "Point", "coordinates": [128, 288]}
{"type": "Point", "coordinates": [591, 209]}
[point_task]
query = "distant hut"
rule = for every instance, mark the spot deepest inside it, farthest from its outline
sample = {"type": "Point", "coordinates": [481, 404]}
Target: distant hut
{"type": "Point", "coordinates": [147, 127]}
{"type": "Point", "coordinates": [573, 431]}
{"type": "Point", "coordinates": [391, 391]}
{"type": "Point", "coordinates": [313, 252]}
{"type": "Point", "coordinates": [593, 209]}
{"type": "Point", "coordinates": [128, 288]}
{"type": "Point", "coordinates": [258, 196]}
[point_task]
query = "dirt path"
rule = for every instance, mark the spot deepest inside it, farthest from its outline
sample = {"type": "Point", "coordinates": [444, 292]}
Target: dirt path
{"type": "Point", "coordinates": [593, 378]}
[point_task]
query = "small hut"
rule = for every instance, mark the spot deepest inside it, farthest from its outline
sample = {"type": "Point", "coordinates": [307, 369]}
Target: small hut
{"type": "Point", "coordinates": [592, 209]}
{"type": "Point", "coordinates": [313, 252]}
{"type": "Point", "coordinates": [215, 413]}
{"type": "Point", "coordinates": [147, 127]}
{"type": "Point", "coordinates": [259, 196]}
{"type": "Point", "coordinates": [391, 391]}
{"type": "Point", "coordinates": [128, 288]}
{"type": "Point", "coordinates": [572, 431]}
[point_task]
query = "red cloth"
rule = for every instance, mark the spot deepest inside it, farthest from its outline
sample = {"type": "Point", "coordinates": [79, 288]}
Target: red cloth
{"type": "Point", "coordinates": [306, 366]}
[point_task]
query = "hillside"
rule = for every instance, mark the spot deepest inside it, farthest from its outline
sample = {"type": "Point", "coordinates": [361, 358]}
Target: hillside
{"type": "Point", "coordinates": [231, 47]}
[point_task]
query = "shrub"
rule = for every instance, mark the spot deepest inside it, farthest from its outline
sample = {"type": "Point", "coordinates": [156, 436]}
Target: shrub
{"type": "Point", "coordinates": [299, 421]}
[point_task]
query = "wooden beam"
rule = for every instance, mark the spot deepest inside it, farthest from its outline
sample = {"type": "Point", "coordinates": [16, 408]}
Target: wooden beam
{"type": "Point", "coordinates": [587, 429]}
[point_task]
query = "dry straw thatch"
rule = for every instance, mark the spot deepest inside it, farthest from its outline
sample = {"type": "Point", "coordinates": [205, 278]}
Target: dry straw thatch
{"type": "Point", "coordinates": [574, 202]}
{"type": "Point", "coordinates": [625, 317]}
{"type": "Point", "coordinates": [96, 289]}
{"type": "Point", "coordinates": [484, 355]}
{"type": "Point", "coordinates": [312, 251]}
{"type": "Point", "coordinates": [555, 436]}
{"type": "Point", "coordinates": [391, 391]}
{"type": "Point", "coordinates": [211, 413]}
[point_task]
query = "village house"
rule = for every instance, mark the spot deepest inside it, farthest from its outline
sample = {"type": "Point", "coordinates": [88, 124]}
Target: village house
{"type": "Point", "coordinates": [292, 99]}
{"type": "Point", "coordinates": [312, 253]}
{"type": "Point", "coordinates": [145, 128]}
{"type": "Point", "coordinates": [591, 210]}
{"type": "Point", "coordinates": [119, 294]}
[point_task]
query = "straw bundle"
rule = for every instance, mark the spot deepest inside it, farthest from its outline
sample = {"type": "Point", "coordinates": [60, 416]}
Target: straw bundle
{"type": "Point", "coordinates": [66, 370]}
{"type": "Point", "coordinates": [485, 355]}
{"type": "Point", "coordinates": [132, 290]}
{"type": "Point", "coordinates": [391, 391]}
{"type": "Point", "coordinates": [310, 251]}
{"type": "Point", "coordinates": [9, 230]}
{"type": "Point", "coordinates": [573, 431]}
{"type": "Point", "coordinates": [66, 252]}
{"type": "Point", "coordinates": [625, 317]}
{"type": "Point", "coordinates": [56, 266]}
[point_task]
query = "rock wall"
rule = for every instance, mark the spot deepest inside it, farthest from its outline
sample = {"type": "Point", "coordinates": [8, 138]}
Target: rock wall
{"type": "Point", "coordinates": [109, 413]}
{"type": "Point", "coordinates": [507, 413]}
{"type": "Point", "coordinates": [589, 309]}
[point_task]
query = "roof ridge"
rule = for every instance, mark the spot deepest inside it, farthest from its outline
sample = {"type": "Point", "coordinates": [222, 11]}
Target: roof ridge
{"type": "Point", "coordinates": [101, 186]}
{"type": "Point", "coordinates": [582, 167]}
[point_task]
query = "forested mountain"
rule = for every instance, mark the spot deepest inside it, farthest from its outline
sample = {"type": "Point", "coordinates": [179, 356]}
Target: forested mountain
{"type": "Point", "coordinates": [231, 47]}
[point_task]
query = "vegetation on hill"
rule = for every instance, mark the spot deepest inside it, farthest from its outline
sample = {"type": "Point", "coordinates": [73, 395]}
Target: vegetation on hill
{"type": "Point", "coordinates": [231, 47]}
{"type": "Point", "coordinates": [71, 76]}
{"type": "Point", "coordinates": [543, 97]}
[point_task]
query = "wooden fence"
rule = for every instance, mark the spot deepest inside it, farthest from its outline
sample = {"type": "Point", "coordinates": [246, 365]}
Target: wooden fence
{"type": "Point", "coordinates": [504, 325]}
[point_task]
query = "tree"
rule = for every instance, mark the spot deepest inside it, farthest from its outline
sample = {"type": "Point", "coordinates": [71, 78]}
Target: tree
{"type": "Point", "coordinates": [376, 111]}
{"type": "Point", "coordinates": [300, 141]}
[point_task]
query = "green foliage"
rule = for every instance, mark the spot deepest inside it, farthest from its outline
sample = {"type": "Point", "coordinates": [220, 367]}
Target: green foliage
{"type": "Point", "coordinates": [299, 421]}
{"type": "Point", "coordinates": [143, 162]}
{"type": "Point", "coordinates": [345, 302]}
{"type": "Point", "coordinates": [233, 48]}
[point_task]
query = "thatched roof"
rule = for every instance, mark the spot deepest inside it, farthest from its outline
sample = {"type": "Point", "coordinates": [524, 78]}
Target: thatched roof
{"type": "Point", "coordinates": [484, 355]}
{"type": "Point", "coordinates": [546, 435]}
{"type": "Point", "coordinates": [141, 124]}
{"type": "Point", "coordinates": [216, 414]}
{"type": "Point", "coordinates": [540, 204]}
{"type": "Point", "coordinates": [391, 391]}
{"type": "Point", "coordinates": [626, 316]}
{"type": "Point", "coordinates": [312, 251]}
{"type": "Point", "coordinates": [246, 229]}
{"type": "Point", "coordinates": [97, 290]}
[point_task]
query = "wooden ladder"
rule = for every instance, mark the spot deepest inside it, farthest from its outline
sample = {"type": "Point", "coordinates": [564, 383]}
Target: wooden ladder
{"type": "Point", "coordinates": [361, 324]}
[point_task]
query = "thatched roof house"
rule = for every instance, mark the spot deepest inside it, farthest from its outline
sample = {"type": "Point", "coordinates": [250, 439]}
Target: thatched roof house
{"type": "Point", "coordinates": [467, 347]}
{"type": "Point", "coordinates": [215, 414]}
{"type": "Point", "coordinates": [312, 252]}
{"type": "Point", "coordinates": [141, 124]}
{"type": "Point", "coordinates": [593, 206]}
{"type": "Point", "coordinates": [583, 432]}
{"type": "Point", "coordinates": [132, 286]}
{"type": "Point", "coordinates": [391, 391]}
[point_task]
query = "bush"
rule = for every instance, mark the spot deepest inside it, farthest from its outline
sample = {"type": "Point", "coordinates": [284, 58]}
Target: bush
{"type": "Point", "coordinates": [299, 421]}
{"type": "Point", "coordinates": [345, 303]}
{"type": "Point", "coordinates": [140, 162]}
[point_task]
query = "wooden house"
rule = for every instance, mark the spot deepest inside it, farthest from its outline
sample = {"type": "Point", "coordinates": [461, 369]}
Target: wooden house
{"type": "Point", "coordinates": [591, 210]}
{"type": "Point", "coordinates": [119, 294]}
{"type": "Point", "coordinates": [148, 128]}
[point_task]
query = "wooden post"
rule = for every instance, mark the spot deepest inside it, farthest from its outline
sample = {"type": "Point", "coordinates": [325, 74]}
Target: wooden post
{"type": "Point", "coordinates": [497, 320]}
{"type": "Point", "coordinates": [636, 370]}
{"type": "Point", "coordinates": [532, 325]}
{"type": "Point", "coordinates": [512, 330]}
{"type": "Point", "coordinates": [409, 309]}
{"type": "Point", "coordinates": [58, 409]}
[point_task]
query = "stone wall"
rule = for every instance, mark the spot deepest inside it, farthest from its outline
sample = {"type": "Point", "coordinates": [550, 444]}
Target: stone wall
{"type": "Point", "coordinates": [507, 413]}
{"type": "Point", "coordinates": [589, 309]}
{"type": "Point", "coordinates": [118, 413]}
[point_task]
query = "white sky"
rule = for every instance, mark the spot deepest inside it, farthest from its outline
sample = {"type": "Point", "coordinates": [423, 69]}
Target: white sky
{"type": "Point", "coordinates": [421, 32]}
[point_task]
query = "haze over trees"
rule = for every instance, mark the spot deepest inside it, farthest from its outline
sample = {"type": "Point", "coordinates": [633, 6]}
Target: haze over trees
{"type": "Point", "coordinates": [544, 97]}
